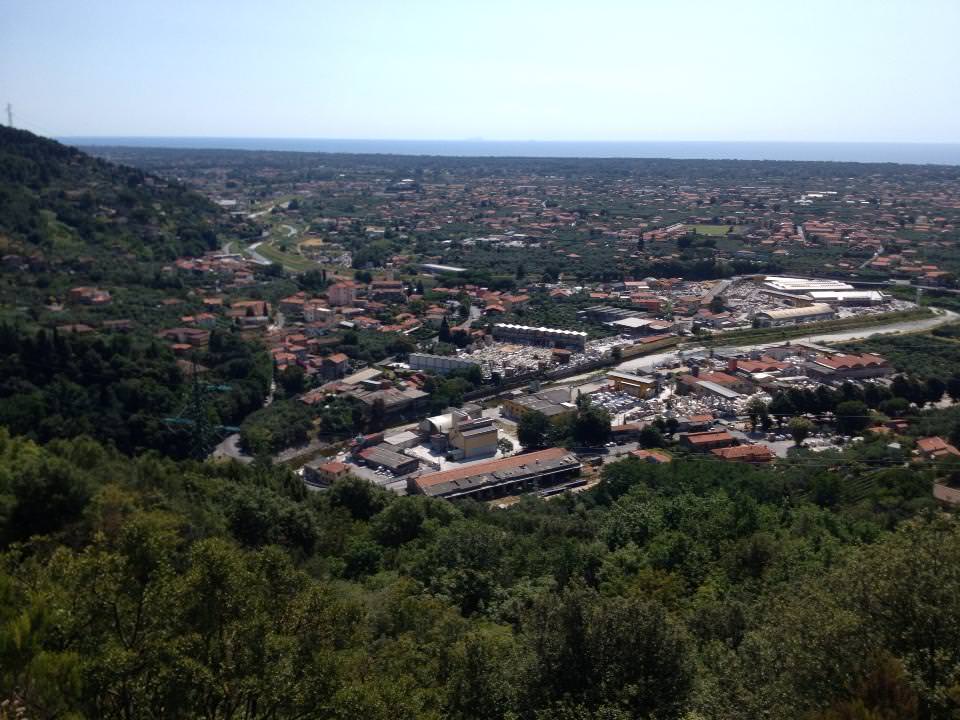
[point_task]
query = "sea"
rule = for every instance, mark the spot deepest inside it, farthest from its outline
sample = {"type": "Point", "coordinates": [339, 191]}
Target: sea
{"type": "Point", "coordinates": [912, 153]}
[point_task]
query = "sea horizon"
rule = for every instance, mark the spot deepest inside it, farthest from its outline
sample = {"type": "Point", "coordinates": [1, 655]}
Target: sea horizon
{"type": "Point", "coordinates": [865, 152]}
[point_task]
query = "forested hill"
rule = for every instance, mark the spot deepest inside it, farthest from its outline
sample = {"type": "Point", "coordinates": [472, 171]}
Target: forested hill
{"type": "Point", "coordinates": [60, 206]}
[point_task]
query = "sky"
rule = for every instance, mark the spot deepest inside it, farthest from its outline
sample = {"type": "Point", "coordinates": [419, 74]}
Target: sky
{"type": "Point", "coordinates": [614, 70]}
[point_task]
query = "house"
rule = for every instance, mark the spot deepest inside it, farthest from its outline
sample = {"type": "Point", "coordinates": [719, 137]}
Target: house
{"type": "Point", "coordinates": [935, 448]}
{"type": "Point", "coordinates": [90, 296]}
{"type": "Point", "coordinates": [293, 306]}
{"type": "Point", "coordinates": [744, 453]}
{"type": "Point", "coordinates": [387, 290]}
{"type": "Point", "coordinates": [707, 441]}
{"type": "Point", "coordinates": [341, 294]}
{"type": "Point", "coordinates": [324, 472]}
{"type": "Point", "coordinates": [334, 367]}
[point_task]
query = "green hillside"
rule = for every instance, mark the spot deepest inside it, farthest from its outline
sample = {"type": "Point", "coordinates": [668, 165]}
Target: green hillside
{"type": "Point", "coordinates": [61, 207]}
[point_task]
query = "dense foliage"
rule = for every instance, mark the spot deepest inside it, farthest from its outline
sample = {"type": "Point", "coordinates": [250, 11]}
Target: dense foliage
{"type": "Point", "coordinates": [120, 389]}
{"type": "Point", "coordinates": [150, 588]}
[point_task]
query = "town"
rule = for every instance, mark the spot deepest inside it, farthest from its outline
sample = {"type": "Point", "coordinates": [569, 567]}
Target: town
{"type": "Point", "coordinates": [443, 338]}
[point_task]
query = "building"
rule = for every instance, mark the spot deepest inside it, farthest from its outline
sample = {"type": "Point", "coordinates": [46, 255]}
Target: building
{"type": "Point", "coordinates": [757, 454]}
{"type": "Point", "coordinates": [640, 386]}
{"type": "Point", "coordinates": [848, 367]}
{"type": "Point", "coordinates": [472, 437]}
{"type": "Point", "coordinates": [394, 400]}
{"type": "Point", "coordinates": [547, 337]}
{"type": "Point", "coordinates": [935, 448]}
{"type": "Point", "coordinates": [853, 298]}
{"type": "Point", "coordinates": [90, 296]}
{"type": "Point", "coordinates": [389, 290]}
{"type": "Point", "coordinates": [324, 472]}
{"type": "Point", "coordinates": [335, 366]}
{"type": "Point", "coordinates": [794, 316]}
{"type": "Point", "coordinates": [506, 476]}
{"type": "Point", "coordinates": [706, 384]}
{"type": "Point", "coordinates": [554, 403]}
{"type": "Point", "coordinates": [341, 294]}
{"type": "Point", "coordinates": [607, 314]}
{"type": "Point", "coordinates": [804, 286]}
{"type": "Point", "coordinates": [440, 364]}
{"type": "Point", "coordinates": [707, 441]}
{"type": "Point", "coordinates": [384, 456]}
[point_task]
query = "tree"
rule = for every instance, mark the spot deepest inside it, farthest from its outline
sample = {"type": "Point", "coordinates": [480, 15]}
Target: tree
{"type": "Point", "coordinates": [782, 408]}
{"type": "Point", "coordinates": [533, 430]}
{"type": "Point", "coordinates": [292, 380]}
{"type": "Point", "coordinates": [953, 387]}
{"type": "Point", "coordinates": [592, 424]}
{"type": "Point", "coordinates": [755, 409]}
{"type": "Point", "coordinates": [800, 429]}
{"type": "Point", "coordinates": [935, 387]}
{"type": "Point", "coordinates": [444, 335]}
{"type": "Point", "coordinates": [717, 304]}
{"type": "Point", "coordinates": [895, 407]}
{"type": "Point", "coordinates": [651, 437]}
{"type": "Point", "coordinates": [853, 416]}
{"type": "Point", "coordinates": [378, 414]}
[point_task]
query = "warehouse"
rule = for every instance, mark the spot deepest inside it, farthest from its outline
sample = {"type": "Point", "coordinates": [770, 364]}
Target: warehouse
{"type": "Point", "coordinates": [485, 481]}
{"type": "Point", "coordinates": [850, 298]}
{"type": "Point", "coordinates": [384, 456]}
{"type": "Point", "coordinates": [794, 316]}
{"type": "Point", "coordinates": [553, 402]}
{"type": "Point", "coordinates": [440, 364]}
{"type": "Point", "coordinates": [641, 386]}
{"type": "Point", "coordinates": [802, 286]}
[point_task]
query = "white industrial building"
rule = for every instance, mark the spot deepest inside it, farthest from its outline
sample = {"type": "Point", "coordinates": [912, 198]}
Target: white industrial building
{"type": "Point", "coordinates": [440, 364]}
{"type": "Point", "coordinates": [849, 297]}
{"type": "Point", "coordinates": [801, 286]}
{"type": "Point", "coordinates": [549, 337]}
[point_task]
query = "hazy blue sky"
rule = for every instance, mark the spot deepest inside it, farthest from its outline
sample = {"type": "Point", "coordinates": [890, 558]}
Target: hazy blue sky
{"type": "Point", "coordinates": [813, 70]}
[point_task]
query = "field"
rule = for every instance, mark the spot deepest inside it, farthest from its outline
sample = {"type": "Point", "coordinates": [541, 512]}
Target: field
{"type": "Point", "coordinates": [715, 230]}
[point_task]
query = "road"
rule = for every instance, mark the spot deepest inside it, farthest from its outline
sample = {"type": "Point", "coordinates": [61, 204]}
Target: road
{"type": "Point", "coordinates": [254, 216]}
{"type": "Point", "coordinates": [257, 257]}
{"type": "Point", "coordinates": [229, 448]}
{"type": "Point", "coordinates": [648, 362]}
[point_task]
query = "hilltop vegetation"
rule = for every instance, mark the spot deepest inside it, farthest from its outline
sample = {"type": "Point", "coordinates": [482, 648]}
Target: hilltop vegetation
{"type": "Point", "coordinates": [136, 588]}
{"type": "Point", "coordinates": [62, 205]}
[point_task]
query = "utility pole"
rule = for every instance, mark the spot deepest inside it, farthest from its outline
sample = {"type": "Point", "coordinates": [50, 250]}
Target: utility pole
{"type": "Point", "coordinates": [9, 115]}
{"type": "Point", "coordinates": [196, 416]}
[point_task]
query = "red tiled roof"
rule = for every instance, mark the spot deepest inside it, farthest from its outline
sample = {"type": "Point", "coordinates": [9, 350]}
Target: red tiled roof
{"type": "Point", "coordinates": [710, 436]}
{"type": "Point", "coordinates": [488, 467]}
{"type": "Point", "coordinates": [748, 453]}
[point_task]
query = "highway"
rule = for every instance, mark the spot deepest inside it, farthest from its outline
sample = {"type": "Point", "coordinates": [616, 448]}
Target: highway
{"type": "Point", "coordinates": [647, 362]}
